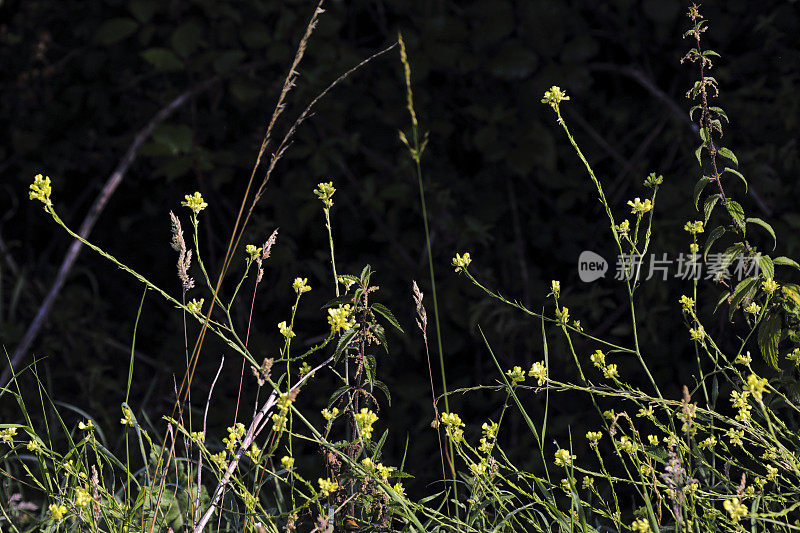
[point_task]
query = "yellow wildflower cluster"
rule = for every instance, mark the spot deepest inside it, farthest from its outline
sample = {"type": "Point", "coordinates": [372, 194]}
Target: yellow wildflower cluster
{"type": "Point", "coordinates": [694, 227]}
{"type": "Point", "coordinates": [195, 306]}
{"type": "Point", "coordinates": [300, 285]}
{"type": "Point", "coordinates": [755, 386]}
{"type": "Point", "coordinates": [194, 202]}
{"type": "Point", "coordinates": [709, 442]}
{"type": "Point", "coordinates": [640, 525]}
{"type": "Point", "coordinates": [593, 437]}
{"type": "Point", "coordinates": [555, 288]}
{"type": "Point", "coordinates": [554, 96]}
{"type": "Point", "coordinates": [377, 470]}
{"type": "Point", "coordinates": [340, 318]}
{"type": "Point", "coordinates": [539, 371]}
{"type": "Point", "coordinates": [735, 436]}
{"type": "Point", "coordinates": [639, 207]}
{"type": "Point", "coordinates": [624, 228]}
{"type": "Point", "coordinates": [563, 315]}
{"type": "Point", "coordinates": [598, 358]}
{"type": "Point", "coordinates": [285, 330]}
{"type": "Point", "coordinates": [563, 457]}
{"type": "Point", "coordinates": [57, 511]}
{"type": "Point", "coordinates": [220, 459]}
{"type": "Point", "coordinates": [489, 437]}
{"type": "Point", "coordinates": [279, 419]}
{"type": "Point", "coordinates": [698, 333]}
{"type": "Point", "coordinates": [628, 445]}
{"type": "Point", "coordinates": [326, 486]}
{"type": "Point", "coordinates": [7, 435]}
{"type": "Point", "coordinates": [234, 438]}
{"type": "Point", "coordinates": [330, 414]}
{"type": "Point", "coordinates": [324, 192]}
{"type": "Point", "coordinates": [735, 508]}
{"type": "Point", "coordinates": [41, 190]}
{"type": "Point", "coordinates": [82, 497]}
{"type": "Point", "coordinates": [687, 303]}
{"type": "Point", "coordinates": [127, 417]}
{"type": "Point", "coordinates": [287, 462]}
{"type": "Point", "coordinates": [347, 281]}
{"type": "Point", "coordinates": [746, 359]}
{"type": "Point", "coordinates": [253, 252]}
{"type": "Point", "coordinates": [769, 285]}
{"type": "Point", "coordinates": [516, 375]}
{"type": "Point", "coordinates": [453, 425]}
{"type": "Point", "coordinates": [364, 421]}
{"type": "Point", "coordinates": [753, 308]}
{"type": "Point", "coordinates": [461, 261]}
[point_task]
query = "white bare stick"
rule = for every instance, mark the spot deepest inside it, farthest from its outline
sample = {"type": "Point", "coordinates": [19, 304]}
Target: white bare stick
{"type": "Point", "coordinates": [256, 426]}
{"type": "Point", "coordinates": [89, 221]}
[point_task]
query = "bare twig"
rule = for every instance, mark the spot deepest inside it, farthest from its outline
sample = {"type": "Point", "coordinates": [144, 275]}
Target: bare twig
{"type": "Point", "coordinates": [89, 221]}
{"type": "Point", "coordinates": [259, 422]}
{"type": "Point", "coordinates": [202, 440]}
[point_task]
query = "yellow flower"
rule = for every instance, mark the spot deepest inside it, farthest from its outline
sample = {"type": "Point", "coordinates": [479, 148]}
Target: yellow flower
{"type": "Point", "coordinates": [694, 248]}
{"type": "Point", "coordinates": [516, 375]}
{"type": "Point", "coordinates": [461, 262]}
{"type": "Point", "coordinates": [694, 227]}
{"type": "Point", "coordinates": [327, 486]}
{"type": "Point", "coordinates": [287, 462]}
{"type": "Point", "coordinates": [623, 228]}
{"type": "Point", "coordinates": [598, 358]}
{"type": "Point", "coordinates": [697, 334]}
{"type": "Point", "coordinates": [756, 386]}
{"type": "Point", "coordinates": [735, 508]}
{"type": "Point", "coordinates": [57, 511]}
{"type": "Point", "coordinates": [347, 281]}
{"type": "Point", "coordinates": [82, 497]}
{"type": "Point", "coordinates": [253, 251]}
{"type": "Point", "coordinates": [194, 202]}
{"type": "Point", "coordinates": [127, 417]}
{"type": "Point", "coordinates": [746, 359]}
{"type": "Point", "coordinates": [195, 306]}
{"type": "Point", "coordinates": [399, 489]}
{"type": "Point", "coordinates": [593, 437]}
{"type": "Point", "coordinates": [563, 315]}
{"type": "Point", "coordinates": [285, 330]}
{"type": "Point", "coordinates": [330, 415]}
{"type": "Point", "coordinates": [40, 190]}
{"type": "Point", "coordinates": [300, 285]}
{"type": "Point", "coordinates": [687, 303]}
{"type": "Point", "coordinates": [610, 371]}
{"type": "Point", "coordinates": [539, 371]}
{"type": "Point", "coordinates": [563, 457]}
{"type": "Point", "coordinates": [554, 96]}
{"type": "Point", "coordinates": [7, 435]}
{"type": "Point", "coordinates": [753, 308]}
{"type": "Point", "coordinates": [453, 425]}
{"type": "Point", "coordinates": [769, 285]}
{"type": "Point", "coordinates": [555, 288]}
{"type": "Point", "coordinates": [639, 207]}
{"type": "Point", "coordinates": [364, 420]}
{"type": "Point", "coordinates": [640, 525]}
{"type": "Point", "coordinates": [339, 318]}
{"type": "Point", "coordinates": [85, 425]}
{"type": "Point", "coordinates": [653, 440]}
{"type": "Point", "coordinates": [627, 445]}
{"type": "Point", "coordinates": [324, 192]}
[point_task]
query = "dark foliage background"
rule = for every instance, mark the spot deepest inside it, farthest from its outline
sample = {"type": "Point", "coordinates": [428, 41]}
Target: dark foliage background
{"type": "Point", "coordinates": [81, 78]}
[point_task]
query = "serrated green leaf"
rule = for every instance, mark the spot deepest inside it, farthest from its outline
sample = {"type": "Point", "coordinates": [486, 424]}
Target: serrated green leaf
{"type": "Point", "coordinates": [336, 302]}
{"type": "Point", "coordinates": [698, 189]}
{"type": "Point", "coordinates": [380, 333]}
{"type": "Point", "coordinates": [730, 254]}
{"type": "Point", "coordinates": [769, 335]}
{"type": "Point", "coordinates": [767, 266]}
{"type": "Point", "coordinates": [162, 59]}
{"type": "Point", "coordinates": [715, 234]}
{"type": "Point", "coordinates": [186, 38]}
{"type": "Point", "coordinates": [708, 207]}
{"type": "Point", "coordinates": [766, 226]}
{"type": "Point", "coordinates": [737, 174]}
{"type": "Point", "coordinates": [365, 274]}
{"type": "Point", "coordinates": [785, 261]}
{"type": "Point", "coordinates": [343, 342]}
{"type": "Point", "coordinates": [387, 314]}
{"type": "Point", "coordinates": [742, 291]}
{"type": "Point", "coordinates": [381, 386]}
{"type": "Point", "coordinates": [736, 211]}
{"type": "Point", "coordinates": [710, 53]}
{"type": "Point", "coordinates": [720, 112]}
{"type": "Point", "coordinates": [115, 30]}
{"type": "Point", "coordinates": [699, 154]}
{"type": "Point", "coordinates": [728, 154]}
{"type": "Point", "coordinates": [722, 298]}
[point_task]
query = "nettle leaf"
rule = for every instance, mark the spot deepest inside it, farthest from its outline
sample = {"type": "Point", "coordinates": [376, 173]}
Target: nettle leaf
{"type": "Point", "coordinates": [728, 154]}
{"type": "Point", "coordinates": [767, 266]}
{"type": "Point", "coordinates": [746, 289]}
{"type": "Point", "coordinates": [162, 59]}
{"type": "Point", "coordinates": [387, 314]}
{"type": "Point", "coordinates": [722, 299]}
{"type": "Point", "coordinates": [699, 153]}
{"type": "Point", "coordinates": [737, 212]}
{"type": "Point", "coordinates": [115, 30]}
{"type": "Point", "coordinates": [698, 189]}
{"type": "Point", "coordinates": [785, 261]}
{"type": "Point", "coordinates": [715, 234]}
{"type": "Point", "coordinates": [766, 226]}
{"type": "Point", "coordinates": [769, 335]}
{"type": "Point", "coordinates": [729, 255]}
{"type": "Point", "coordinates": [708, 206]}
{"type": "Point", "coordinates": [720, 112]}
{"type": "Point", "coordinates": [737, 174]}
